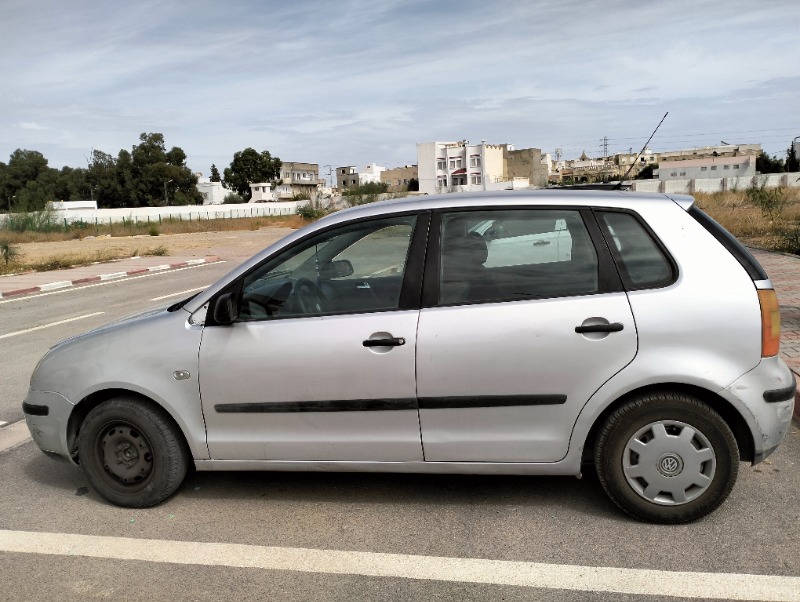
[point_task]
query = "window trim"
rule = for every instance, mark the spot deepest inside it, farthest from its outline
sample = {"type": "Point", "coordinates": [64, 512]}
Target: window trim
{"type": "Point", "coordinates": [618, 260]}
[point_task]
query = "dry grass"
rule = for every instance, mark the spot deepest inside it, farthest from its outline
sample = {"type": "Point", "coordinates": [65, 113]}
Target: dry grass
{"type": "Point", "coordinates": [154, 228]}
{"type": "Point", "coordinates": [64, 262]}
{"type": "Point", "coordinates": [743, 218]}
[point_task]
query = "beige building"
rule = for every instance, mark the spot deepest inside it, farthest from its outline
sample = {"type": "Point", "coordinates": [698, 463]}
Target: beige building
{"type": "Point", "coordinates": [527, 164]}
{"type": "Point", "coordinates": [297, 179]}
{"type": "Point", "coordinates": [397, 179]}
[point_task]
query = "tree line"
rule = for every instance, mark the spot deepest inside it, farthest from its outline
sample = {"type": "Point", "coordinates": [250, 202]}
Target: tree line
{"type": "Point", "coordinates": [148, 175]}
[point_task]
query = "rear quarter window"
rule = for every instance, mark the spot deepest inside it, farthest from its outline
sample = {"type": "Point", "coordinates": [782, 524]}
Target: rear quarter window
{"type": "Point", "coordinates": [641, 259]}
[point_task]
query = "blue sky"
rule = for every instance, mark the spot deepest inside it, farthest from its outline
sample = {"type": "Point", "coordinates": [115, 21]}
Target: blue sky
{"type": "Point", "coordinates": [352, 82]}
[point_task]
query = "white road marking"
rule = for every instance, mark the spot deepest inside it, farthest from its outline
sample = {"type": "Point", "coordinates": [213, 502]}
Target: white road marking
{"type": "Point", "coordinates": [82, 287]}
{"type": "Point", "coordinates": [191, 290]}
{"type": "Point", "coordinates": [55, 285]}
{"type": "Point", "coordinates": [726, 586]}
{"type": "Point", "coordinates": [35, 328]}
{"type": "Point", "coordinates": [113, 276]}
{"type": "Point", "coordinates": [14, 435]}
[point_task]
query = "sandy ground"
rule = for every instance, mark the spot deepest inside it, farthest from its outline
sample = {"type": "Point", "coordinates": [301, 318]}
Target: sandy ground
{"type": "Point", "coordinates": [228, 245]}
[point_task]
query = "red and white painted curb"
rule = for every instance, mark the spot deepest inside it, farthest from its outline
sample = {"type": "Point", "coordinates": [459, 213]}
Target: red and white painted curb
{"type": "Point", "coordinates": [51, 286]}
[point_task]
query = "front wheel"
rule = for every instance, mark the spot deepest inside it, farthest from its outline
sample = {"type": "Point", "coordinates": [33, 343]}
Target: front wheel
{"type": "Point", "coordinates": [132, 452]}
{"type": "Point", "coordinates": [666, 458]}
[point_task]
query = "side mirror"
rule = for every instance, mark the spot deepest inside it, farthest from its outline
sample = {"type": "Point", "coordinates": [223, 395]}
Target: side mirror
{"type": "Point", "coordinates": [341, 268]}
{"type": "Point", "coordinates": [225, 310]}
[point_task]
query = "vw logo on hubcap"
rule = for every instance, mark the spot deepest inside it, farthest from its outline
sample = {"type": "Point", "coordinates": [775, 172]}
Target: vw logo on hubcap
{"type": "Point", "coordinates": [670, 465]}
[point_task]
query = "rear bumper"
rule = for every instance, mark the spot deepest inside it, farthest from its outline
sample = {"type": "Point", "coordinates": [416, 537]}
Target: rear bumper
{"type": "Point", "coordinates": [765, 398]}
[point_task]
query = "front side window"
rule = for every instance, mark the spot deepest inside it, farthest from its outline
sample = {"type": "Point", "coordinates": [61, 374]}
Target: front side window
{"type": "Point", "coordinates": [354, 268]}
{"type": "Point", "coordinates": [515, 254]}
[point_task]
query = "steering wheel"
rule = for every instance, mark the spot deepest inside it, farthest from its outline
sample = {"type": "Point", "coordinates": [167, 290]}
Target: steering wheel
{"type": "Point", "coordinates": [309, 297]}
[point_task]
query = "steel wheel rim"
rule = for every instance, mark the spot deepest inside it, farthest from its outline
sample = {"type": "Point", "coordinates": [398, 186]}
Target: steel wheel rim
{"type": "Point", "coordinates": [669, 463]}
{"type": "Point", "coordinates": [126, 454]}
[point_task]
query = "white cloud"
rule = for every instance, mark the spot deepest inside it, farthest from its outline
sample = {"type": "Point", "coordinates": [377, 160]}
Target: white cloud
{"type": "Point", "coordinates": [356, 81]}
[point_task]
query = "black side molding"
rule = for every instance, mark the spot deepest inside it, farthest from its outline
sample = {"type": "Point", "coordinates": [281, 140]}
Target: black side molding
{"type": "Point", "coordinates": [34, 410]}
{"type": "Point", "coordinates": [785, 394]}
{"type": "Point", "coordinates": [489, 401]}
{"type": "Point", "coordinates": [335, 405]}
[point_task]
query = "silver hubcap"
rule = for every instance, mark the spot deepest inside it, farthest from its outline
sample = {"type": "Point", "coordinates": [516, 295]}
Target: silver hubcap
{"type": "Point", "coordinates": [669, 462]}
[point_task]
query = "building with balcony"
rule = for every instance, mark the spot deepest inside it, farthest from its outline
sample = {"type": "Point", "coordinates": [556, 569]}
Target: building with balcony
{"type": "Point", "coordinates": [461, 166]}
{"type": "Point", "coordinates": [296, 179]}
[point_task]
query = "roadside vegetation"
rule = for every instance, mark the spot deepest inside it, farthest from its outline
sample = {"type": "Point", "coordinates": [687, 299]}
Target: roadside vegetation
{"type": "Point", "coordinates": [12, 260]}
{"type": "Point", "coordinates": [767, 218]}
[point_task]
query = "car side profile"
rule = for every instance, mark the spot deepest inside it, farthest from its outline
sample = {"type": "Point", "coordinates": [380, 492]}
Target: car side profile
{"type": "Point", "coordinates": [526, 333]}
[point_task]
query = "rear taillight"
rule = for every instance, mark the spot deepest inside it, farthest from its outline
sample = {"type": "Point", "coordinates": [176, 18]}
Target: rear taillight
{"type": "Point", "coordinates": [770, 323]}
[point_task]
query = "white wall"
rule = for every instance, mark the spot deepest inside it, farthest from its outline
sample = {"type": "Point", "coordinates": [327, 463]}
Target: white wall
{"type": "Point", "coordinates": [772, 180]}
{"type": "Point", "coordinates": [182, 213]}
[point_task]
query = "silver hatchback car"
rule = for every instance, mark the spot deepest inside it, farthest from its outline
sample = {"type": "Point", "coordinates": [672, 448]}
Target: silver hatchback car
{"type": "Point", "coordinates": [509, 333]}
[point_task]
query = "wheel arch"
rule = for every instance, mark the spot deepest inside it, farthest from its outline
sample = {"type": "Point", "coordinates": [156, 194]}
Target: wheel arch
{"type": "Point", "coordinates": [731, 416]}
{"type": "Point", "coordinates": [91, 401]}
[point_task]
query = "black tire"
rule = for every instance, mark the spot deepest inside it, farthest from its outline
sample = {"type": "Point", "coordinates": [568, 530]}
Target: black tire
{"type": "Point", "coordinates": [666, 458]}
{"type": "Point", "coordinates": [132, 452]}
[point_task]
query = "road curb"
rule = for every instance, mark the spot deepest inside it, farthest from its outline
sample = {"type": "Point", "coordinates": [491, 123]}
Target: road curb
{"type": "Point", "coordinates": [103, 277]}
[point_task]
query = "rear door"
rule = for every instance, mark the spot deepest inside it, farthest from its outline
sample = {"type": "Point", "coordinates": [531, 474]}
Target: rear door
{"type": "Point", "coordinates": [511, 346]}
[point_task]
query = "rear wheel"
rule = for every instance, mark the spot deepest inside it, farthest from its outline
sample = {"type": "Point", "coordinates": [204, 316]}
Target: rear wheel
{"type": "Point", "coordinates": [132, 453]}
{"type": "Point", "coordinates": [666, 458]}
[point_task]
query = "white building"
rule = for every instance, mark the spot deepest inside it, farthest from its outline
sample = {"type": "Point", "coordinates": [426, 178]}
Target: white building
{"type": "Point", "coordinates": [742, 166]}
{"type": "Point", "coordinates": [213, 192]}
{"type": "Point", "coordinates": [460, 166]}
{"type": "Point", "coordinates": [350, 175]}
{"type": "Point", "coordinates": [261, 192]}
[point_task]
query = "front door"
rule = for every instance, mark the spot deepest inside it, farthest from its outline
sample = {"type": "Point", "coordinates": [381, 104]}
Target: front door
{"type": "Point", "coordinates": [320, 364]}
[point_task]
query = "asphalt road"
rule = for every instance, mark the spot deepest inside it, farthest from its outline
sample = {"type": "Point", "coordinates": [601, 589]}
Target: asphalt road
{"type": "Point", "coordinates": [294, 536]}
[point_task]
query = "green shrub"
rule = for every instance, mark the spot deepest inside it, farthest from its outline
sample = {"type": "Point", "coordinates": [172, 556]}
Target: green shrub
{"type": "Point", "coordinates": [771, 201]}
{"type": "Point", "coordinates": [9, 252]}
{"type": "Point", "coordinates": [310, 211]}
{"type": "Point", "coordinates": [153, 230]}
{"type": "Point", "coordinates": [35, 221]}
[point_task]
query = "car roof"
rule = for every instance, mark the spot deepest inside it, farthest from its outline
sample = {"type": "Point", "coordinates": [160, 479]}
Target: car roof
{"type": "Point", "coordinates": [475, 200]}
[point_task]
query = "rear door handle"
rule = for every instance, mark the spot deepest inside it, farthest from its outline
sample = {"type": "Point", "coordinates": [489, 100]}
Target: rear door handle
{"type": "Point", "coordinates": [613, 327]}
{"type": "Point", "coordinates": [390, 342]}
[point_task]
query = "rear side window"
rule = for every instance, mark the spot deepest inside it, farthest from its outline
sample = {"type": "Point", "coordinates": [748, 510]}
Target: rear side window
{"type": "Point", "coordinates": [641, 260]}
{"type": "Point", "coordinates": [501, 255]}
{"type": "Point", "coordinates": [733, 246]}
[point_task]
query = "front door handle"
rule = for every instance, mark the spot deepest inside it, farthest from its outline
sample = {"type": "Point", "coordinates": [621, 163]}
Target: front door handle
{"type": "Point", "coordinates": [613, 327]}
{"type": "Point", "coordinates": [390, 342]}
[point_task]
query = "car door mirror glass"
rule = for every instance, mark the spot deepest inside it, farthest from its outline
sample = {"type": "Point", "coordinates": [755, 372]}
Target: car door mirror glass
{"type": "Point", "coordinates": [225, 311]}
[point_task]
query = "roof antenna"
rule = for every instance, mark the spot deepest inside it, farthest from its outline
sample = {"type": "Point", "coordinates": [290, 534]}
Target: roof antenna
{"type": "Point", "coordinates": [619, 184]}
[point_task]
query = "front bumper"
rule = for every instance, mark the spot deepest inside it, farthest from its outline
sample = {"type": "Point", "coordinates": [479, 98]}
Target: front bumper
{"type": "Point", "coordinates": [47, 415]}
{"type": "Point", "coordinates": [765, 398]}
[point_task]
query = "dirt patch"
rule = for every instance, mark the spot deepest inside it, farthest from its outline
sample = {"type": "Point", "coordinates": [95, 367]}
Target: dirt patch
{"type": "Point", "coordinates": [230, 245]}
